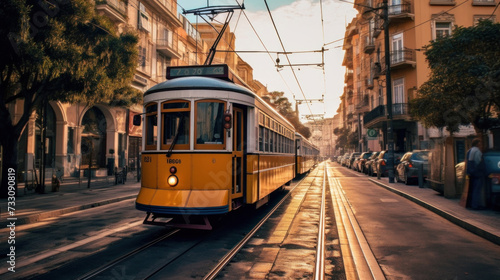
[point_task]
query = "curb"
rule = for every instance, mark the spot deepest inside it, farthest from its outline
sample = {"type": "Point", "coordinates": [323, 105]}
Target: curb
{"type": "Point", "coordinates": [454, 219]}
{"type": "Point", "coordinates": [33, 218]}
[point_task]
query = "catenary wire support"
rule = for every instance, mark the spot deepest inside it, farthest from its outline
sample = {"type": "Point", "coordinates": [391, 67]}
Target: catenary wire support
{"type": "Point", "coordinates": [211, 12]}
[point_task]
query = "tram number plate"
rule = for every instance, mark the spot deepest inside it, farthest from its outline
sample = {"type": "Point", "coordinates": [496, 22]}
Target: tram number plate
{"type": "Point", "coordinates": [173, 161]}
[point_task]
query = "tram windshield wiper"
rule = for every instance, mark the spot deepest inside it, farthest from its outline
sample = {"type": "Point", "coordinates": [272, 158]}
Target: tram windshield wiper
{"type": "Point", "coordinates": [181, 122]}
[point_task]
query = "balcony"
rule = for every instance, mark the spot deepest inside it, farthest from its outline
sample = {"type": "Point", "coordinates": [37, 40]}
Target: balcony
{"type": "Point", "coordinates": [376, 70]}
{"type": "Point", "coordinates": [116, 10]}
{"type": "Point", "coordinates": [377, 29]}
{"type": "Point", "coordinates": [348, 58]}
{"type": "Point", "coordinates": [363, 102]}
{"type": "Point", "coordinates": [379, 114]}
{"type": "Point", "coordinates": [401, 12]}
{"type": "Point", "coordinates": [369, 82]}
{"type": "Point", "coordinates": [483, 3]}
{"type": "Point", "coordinates": [369, 44]}
{"type": "Point", "coordinates": [169, 45]}
{"type": "Point", "coordinates": [442, 2]}
{"type": "Point", "coordinates": [349, 73]}
{"type": "Point", "coordinates": [401, 59]}
{"type": "Point", "coordinates": [167, 10]}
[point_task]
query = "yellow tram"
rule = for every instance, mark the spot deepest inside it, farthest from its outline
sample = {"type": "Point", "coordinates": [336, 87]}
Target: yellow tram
{"type": "Point", "coordinates": [210, 146]}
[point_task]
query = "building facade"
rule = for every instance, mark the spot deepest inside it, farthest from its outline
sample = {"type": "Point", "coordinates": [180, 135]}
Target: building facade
{"type": "Point", "coordinates": [412, 25]}
{"type": "Point", "coordinates": [78, 135]}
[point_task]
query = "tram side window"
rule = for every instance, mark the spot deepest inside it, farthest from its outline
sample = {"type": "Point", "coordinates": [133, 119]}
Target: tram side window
{"type": "Point", "coordinates": [175, 123]}
{"type": "Point", "coordinates": [271, 141]}
{"type": "Point", "coordinates": [151, 126]}
{"type": "Point", "coordinates": [261, 138]}
{"type": "Point", "coordinates": [209, 125]}
{"type": "Point", "coordinates": [266, 139]}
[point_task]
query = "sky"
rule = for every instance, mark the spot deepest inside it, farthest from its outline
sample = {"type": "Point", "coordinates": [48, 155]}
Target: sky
{"type": "Point", "coordinates": [302, 31]}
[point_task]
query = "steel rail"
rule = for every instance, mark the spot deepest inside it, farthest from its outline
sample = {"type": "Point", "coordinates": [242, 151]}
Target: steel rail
{"type": "Point", "coordinates": [319, 271]}
{"type": "Point", "coordinates": [359, 260]}
{"type": "Point", "coordinates": [230, 255]}
{"type": "Point", "coordinates": [127, 255]}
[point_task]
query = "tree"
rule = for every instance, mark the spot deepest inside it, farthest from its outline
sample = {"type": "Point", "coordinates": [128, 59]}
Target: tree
{"type": "Point", "coordinates": [58, 50]}
{"type": "Point", "coordinates": [464, 86]}
{"type": "Point", "coordinates": [346, 139]}
{"type": "Point", "coordinates": [277, 100]}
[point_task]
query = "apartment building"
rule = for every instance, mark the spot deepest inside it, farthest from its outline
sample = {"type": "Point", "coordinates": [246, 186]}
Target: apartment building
{"type": "Point", "coordinates": [412, 25]}
{"type": "Point", "coordinates": [103, 136]}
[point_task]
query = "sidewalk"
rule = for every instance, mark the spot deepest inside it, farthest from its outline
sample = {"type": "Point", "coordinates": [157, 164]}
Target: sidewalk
{"type": "Point", "coordinates": [31, 207]}
{"type": "Point", "coordinates": [484, 223]}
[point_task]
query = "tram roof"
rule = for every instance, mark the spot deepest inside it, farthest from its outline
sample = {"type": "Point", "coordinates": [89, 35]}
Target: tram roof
{"type": "Point", "coordinates": [199, 83]}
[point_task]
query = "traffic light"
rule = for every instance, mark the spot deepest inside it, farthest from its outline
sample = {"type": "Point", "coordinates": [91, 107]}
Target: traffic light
{"type": "Point", "coordinates": [227, 120]}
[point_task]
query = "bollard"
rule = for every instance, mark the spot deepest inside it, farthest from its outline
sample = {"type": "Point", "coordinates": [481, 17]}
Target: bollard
{"type": "Point", "coordinates": [421, 175]}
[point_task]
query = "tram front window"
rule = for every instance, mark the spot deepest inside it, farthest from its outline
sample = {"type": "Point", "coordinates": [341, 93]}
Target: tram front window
{"type": "Point", "coordinates": [209, 128]}
{"type": "Point", "coordinates": [175, 123]}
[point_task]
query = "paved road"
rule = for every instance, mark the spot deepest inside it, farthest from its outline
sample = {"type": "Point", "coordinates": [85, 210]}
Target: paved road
{"type": "Point", "coordinates": [411, 242]}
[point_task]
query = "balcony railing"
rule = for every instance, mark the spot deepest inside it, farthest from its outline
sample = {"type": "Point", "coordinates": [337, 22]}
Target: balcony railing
{"type": "Point", "coordinates": [169, 46]}
{"type": "Point", "coordinates": [116, 10]}
{"type": "Point", "coordinates": [442, 2]}
{"type": "Point", "coordinates": [483, 2]}
{"type": "Point", "coordinates": [381, 111]}
{"type": "Point", "coordinates": [401, 11]}
{"type": "Point", "coordinates": [400, 59]}
{"type": "Point", "coordinates": [369, 44]}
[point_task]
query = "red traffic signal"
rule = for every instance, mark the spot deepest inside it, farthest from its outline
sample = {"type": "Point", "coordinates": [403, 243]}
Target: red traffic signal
{"type": "Point", "coordinates": [227, 120]}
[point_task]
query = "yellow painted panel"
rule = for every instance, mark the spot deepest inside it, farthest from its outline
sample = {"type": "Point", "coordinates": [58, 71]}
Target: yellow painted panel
{"type": "Point", "coordinates": [208, 198]}
{"type": "Point", "coordinates": [274, 171]}
{"type": "Point", "coordinates": [149, 170]}
{"type": "Point", "coordinates": [170, 198]}
{"type": "Point", "coordinates": [183, 198]}
{"type": "Point", "coordinates": [212, 171]}
{"type": "Point", "coordinates": [145, 195]}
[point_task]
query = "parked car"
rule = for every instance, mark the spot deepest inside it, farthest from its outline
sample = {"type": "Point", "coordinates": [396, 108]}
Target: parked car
{"type": "Point", "coordinates": [369, 163]}
{"type": "Point", "coordinates": [344, 159]}
{"type": "Point", "coordinates": [360, 162]}
{"type": "Point", "coordinates": [492, 162]}
{"type": "Point", "coordinates": [407, 169]}
{"type": "Point", "coordinates": [351, 159]}
{"type": "Point", "coordinates": [379, 167]}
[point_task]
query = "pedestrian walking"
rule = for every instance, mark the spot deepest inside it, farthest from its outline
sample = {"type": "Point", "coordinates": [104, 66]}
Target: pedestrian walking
{"type": "Point", "coordinates": [476, 170]}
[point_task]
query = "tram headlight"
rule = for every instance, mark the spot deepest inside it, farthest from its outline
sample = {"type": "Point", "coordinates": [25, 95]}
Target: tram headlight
{"type": "Point", "coordinates": [172, 180]}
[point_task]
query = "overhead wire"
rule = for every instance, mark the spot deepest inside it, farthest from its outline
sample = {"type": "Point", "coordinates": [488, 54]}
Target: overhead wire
{"type": "Point", "coordinates": [286, 55]}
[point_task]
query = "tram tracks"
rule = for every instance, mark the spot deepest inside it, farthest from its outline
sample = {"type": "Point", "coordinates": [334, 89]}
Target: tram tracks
{"type": "Point", "coordinates": [128, 255]}
{"type": "Point", "coordinates": [359, 260]}
{"type": "Point", "coordinates": [161, 266]}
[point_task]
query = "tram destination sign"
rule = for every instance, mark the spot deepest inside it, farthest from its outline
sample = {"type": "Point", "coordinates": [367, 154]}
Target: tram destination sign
{"type": "Point", "coordinates": [214, 71]}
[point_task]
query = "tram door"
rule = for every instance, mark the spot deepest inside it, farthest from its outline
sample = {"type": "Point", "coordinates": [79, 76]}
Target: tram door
{"type": "Point", "coordinates": [238, 129]}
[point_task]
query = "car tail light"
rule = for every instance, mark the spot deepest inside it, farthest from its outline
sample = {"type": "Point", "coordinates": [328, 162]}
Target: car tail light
{"type": "Point", "coordinates": [410, 165]}
{"type": "Point", "coordinates": [382, 162]}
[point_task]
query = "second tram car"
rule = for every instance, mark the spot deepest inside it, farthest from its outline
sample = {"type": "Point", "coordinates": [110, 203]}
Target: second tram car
{"type": "Point", "coordinates": [211, 146]}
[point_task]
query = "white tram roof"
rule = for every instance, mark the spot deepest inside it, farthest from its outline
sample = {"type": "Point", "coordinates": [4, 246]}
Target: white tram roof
{"type": "Point", "coordinates": [197, 83]}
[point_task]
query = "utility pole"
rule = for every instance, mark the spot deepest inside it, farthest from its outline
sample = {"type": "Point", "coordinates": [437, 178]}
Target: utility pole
{"type": "Point", "coordinates": [390, 136]}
